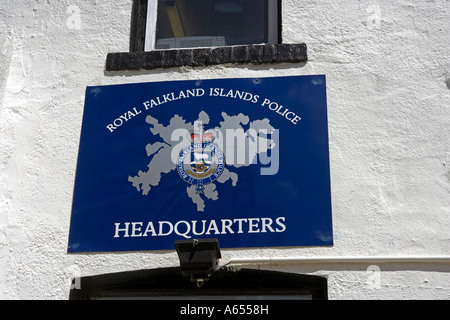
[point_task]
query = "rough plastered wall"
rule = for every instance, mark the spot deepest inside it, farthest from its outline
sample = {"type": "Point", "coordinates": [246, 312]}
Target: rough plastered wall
{"type": "Point", "coordinates": [388, 76]}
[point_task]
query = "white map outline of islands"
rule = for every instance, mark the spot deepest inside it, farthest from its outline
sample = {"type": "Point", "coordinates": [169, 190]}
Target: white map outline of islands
{"type": "Point", "coordinates": [160, 153]}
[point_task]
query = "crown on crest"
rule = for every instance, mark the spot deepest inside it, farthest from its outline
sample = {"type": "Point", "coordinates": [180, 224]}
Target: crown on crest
{"type": "Point", "coordinates": [201, 136]}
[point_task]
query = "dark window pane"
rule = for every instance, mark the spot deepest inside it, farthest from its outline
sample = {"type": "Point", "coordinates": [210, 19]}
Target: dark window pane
{"type": "Point", "coordinates": [206, 23]}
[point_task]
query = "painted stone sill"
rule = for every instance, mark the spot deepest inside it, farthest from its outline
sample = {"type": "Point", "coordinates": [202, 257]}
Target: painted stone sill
{"type": "Point", "coordinates": [201, 57]}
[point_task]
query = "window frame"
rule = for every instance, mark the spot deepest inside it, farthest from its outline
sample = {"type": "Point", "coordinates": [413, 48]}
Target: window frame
{"type": "Point", "coordinates": [150, 25]}
{"type": "Point", "coordinates": [138, 59]}
{"type": "Point", "coordinates": [273, 20]}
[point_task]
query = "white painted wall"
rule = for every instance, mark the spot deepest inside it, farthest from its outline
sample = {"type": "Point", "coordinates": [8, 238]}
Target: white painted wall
{"type": "Point", "coordinates": [388, 72]}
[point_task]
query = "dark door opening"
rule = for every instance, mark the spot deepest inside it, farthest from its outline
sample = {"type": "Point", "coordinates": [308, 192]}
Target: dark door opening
{"type": "Point", "coordinates": [224, 284]}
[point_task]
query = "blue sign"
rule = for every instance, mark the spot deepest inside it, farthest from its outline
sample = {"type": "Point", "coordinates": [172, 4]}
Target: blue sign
{"type": "Point", "coordinates": [245, 161]}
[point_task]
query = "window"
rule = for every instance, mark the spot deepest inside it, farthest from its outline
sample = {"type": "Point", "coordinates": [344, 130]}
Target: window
{"type": "Point", "coordinates": [204, 33]}
{"type": "Point", "coordinates": [210, 23]}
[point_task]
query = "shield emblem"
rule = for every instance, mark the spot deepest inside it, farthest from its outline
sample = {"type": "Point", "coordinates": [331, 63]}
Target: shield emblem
{"type": "Point", "coordinates": [202, 162]}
